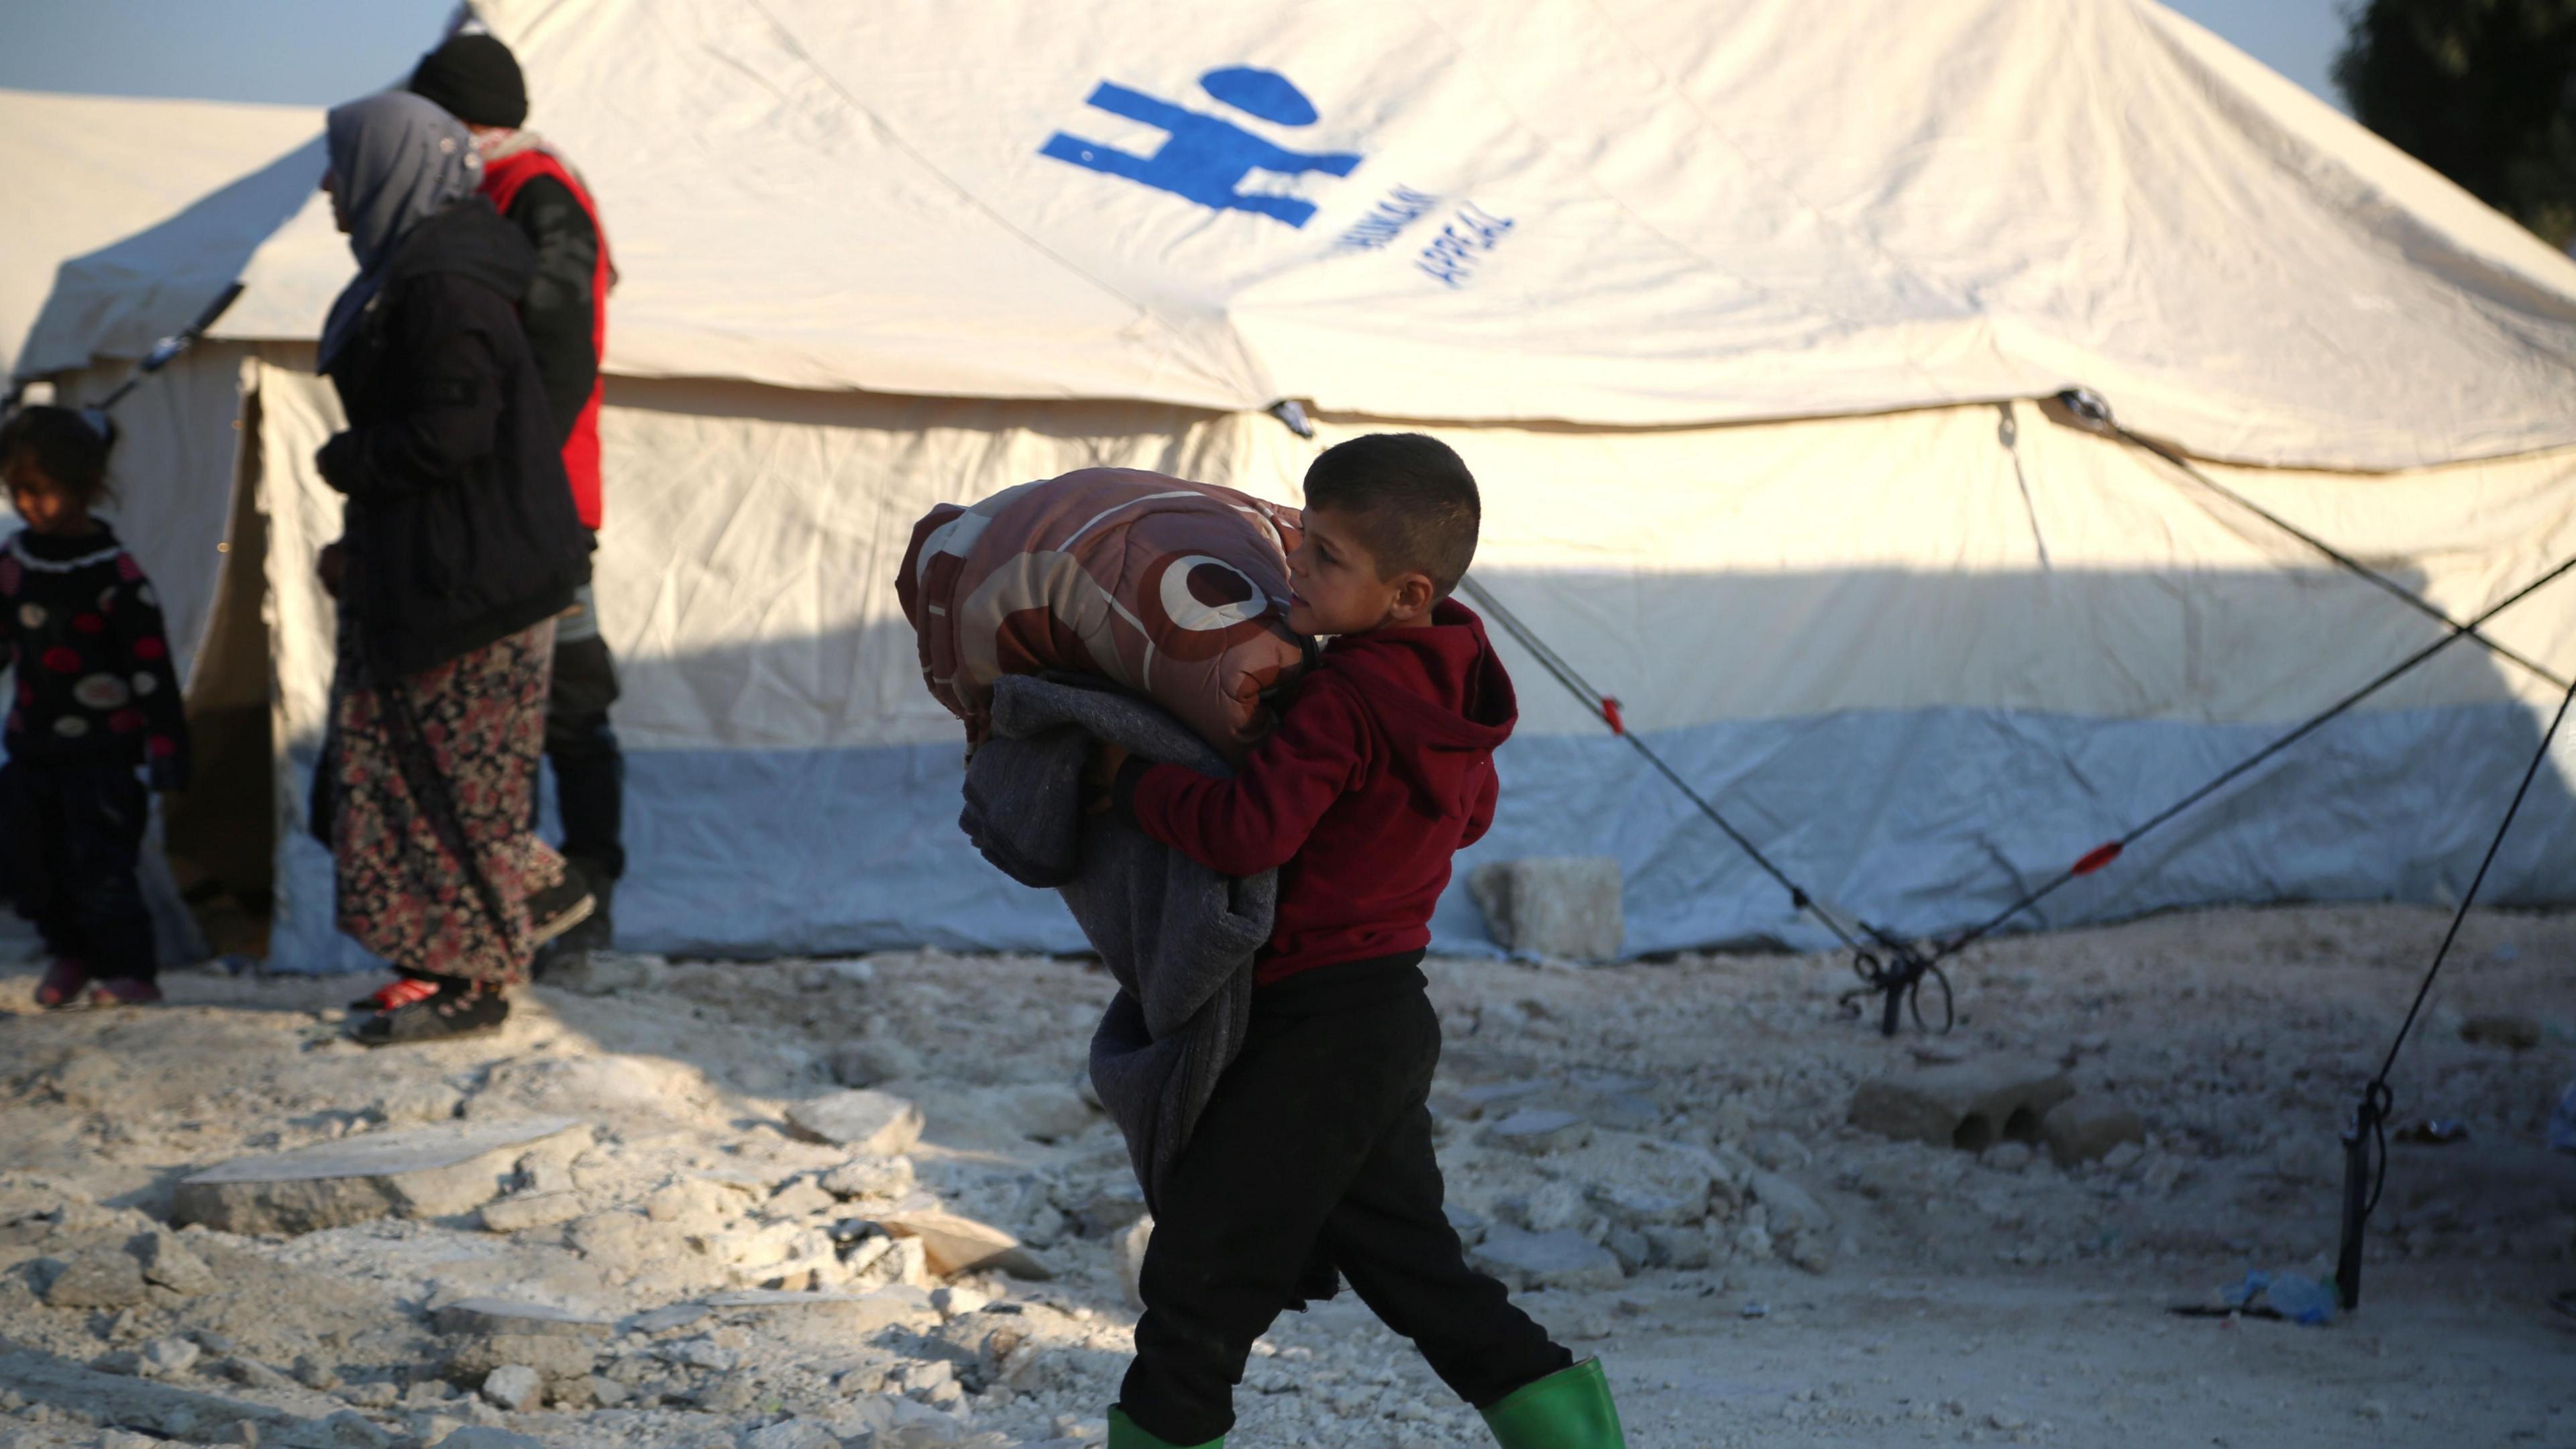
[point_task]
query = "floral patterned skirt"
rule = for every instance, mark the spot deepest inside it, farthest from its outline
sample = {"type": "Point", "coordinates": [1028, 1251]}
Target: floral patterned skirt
{"type": "Point", "coordinates": [430, 808]}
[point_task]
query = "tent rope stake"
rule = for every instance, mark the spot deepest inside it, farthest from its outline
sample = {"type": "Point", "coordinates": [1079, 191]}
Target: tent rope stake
{"type": "Point", "coordinates": [2365, 1142]}
{"type": "Point", "coordinates": [1888, 965]}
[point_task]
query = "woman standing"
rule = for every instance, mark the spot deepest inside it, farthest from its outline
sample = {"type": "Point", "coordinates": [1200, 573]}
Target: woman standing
{"type": "Point", "coordinates": [459, 545]}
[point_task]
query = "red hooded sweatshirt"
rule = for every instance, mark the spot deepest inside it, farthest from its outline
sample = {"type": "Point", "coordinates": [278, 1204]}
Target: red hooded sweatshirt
{"type": "Point", "coordinates": [1381, 769]}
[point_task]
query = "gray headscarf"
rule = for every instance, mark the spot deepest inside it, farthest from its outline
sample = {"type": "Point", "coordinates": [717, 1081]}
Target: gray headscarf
{"type": "Point", "coordinates": [396, 160]}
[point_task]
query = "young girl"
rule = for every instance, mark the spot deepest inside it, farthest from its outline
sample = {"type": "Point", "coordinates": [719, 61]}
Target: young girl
{"type": "Point", "coordinates": [96, 697]}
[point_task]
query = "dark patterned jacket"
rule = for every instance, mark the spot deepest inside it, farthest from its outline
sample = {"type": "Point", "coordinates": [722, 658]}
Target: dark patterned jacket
{"type": "Point", "coordinates": [95, 684]}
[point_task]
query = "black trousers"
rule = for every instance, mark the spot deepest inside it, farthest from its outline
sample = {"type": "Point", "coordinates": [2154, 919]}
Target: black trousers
{"type": "Point", "coordinates": [69, 838]}
{"type": "Point", "coordinates": [590, 771]}
{"type": "Point", "coordinates": [1318, 1138]}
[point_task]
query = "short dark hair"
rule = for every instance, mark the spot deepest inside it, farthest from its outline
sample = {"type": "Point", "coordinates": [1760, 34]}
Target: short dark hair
{"type": "Point", "coordinates": [1410, 498]}
{"type": "Point", "coordinates": [69, 447]}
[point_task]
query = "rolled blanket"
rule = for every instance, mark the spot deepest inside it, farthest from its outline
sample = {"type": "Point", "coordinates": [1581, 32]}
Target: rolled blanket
{"type": "Point", "coordinates": [1178, 937]}
{"type": "Point", "coordinates": [1174, 589]}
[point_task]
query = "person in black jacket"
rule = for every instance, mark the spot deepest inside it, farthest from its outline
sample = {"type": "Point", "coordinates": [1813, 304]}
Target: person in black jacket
{"type": "Point", "coordinates": [459, 546]}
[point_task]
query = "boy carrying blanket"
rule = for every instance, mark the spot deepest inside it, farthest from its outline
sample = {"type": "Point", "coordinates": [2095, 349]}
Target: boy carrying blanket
{"type": "Point", "coordinates": [1301, 1149]}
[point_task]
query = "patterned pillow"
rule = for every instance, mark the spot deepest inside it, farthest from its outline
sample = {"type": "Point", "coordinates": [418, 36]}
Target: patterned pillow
{"type": "Point", "coordinates": [1177, 590]}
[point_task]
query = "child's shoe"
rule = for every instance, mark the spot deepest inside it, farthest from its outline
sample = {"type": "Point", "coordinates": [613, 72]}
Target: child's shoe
{"type": "Point", "coordinates": [1123, 1434]}
{"type": "Point", "coordinates": [125, 991]}
{"type": "Point", "coordinates": [64, 981]}
{"type": "Point", "coordinates": [1569, 1409]}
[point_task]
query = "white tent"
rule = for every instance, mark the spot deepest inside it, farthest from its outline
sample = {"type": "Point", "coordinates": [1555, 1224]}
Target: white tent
{"type": "Point", "coordinates": [81, 174]}
{"type": "Point", "coordinates": [85, 171]}
{"type": "Point", "coordinates": [1737, 312]}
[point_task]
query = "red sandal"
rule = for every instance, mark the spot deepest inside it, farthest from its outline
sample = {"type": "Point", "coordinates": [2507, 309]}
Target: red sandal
{"type": "Point", "coordinates": [454, 1009]}
{"type": "Point", "coordinates": [396, 994]}
{"type": "Point", "coordinates": [64, 981]}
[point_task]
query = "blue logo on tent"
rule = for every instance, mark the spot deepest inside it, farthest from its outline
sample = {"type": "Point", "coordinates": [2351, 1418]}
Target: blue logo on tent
{"type": "Point", "coordinates": [1205, 157]}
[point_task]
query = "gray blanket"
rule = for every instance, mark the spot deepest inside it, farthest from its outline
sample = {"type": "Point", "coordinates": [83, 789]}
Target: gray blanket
{"type": "Point", "coordinates": [1178, 936]}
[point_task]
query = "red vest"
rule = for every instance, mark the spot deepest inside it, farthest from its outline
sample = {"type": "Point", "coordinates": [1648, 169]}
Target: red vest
{"type": "Point", "coordinates": [501, 182]}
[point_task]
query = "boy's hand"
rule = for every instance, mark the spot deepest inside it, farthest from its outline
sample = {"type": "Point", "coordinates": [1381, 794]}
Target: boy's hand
{"type": "Point", "coordinates": [1101, 775]}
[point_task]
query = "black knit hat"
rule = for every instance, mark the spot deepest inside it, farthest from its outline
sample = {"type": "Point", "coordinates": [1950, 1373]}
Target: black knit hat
{"type": "Point", "coordinates": [475, 79]}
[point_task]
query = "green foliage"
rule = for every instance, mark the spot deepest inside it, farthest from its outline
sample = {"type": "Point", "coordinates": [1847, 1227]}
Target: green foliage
{"type": "Point", "coordinates": [2483, 91]}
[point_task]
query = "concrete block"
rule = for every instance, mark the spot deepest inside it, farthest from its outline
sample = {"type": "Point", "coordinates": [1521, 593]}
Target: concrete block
{"type": "Point", "coordinates": [522, 1211]}
{"type": "Point", "coordinates": [881, 1177]}
{"type": "Point", "coordinates": [1638, 1207]}
{"type": "Point", "coordinates": [514, 1387]}
{"type": "Point", "coordinates": [852, 1315]}
{"type": "Point", "coordinates": [1538, 1131]}
{"type": "Point", "coordinates": [413, 1171]}
{"type": "Point", "coordinates": [2086, 1128]}
{"type": "Point", "coordinates": [1684, 1248]}
{"type": "Point", "coordinates": [1792, 1208]}
{"type": "Point", "coordinates": [1968, 1105]}
{"type": "Point", "coordinates": [485, 1436]}
{"type": "Point", "coordinates": [168, 1262]}
{"type": "Point", "coordinates": [97, 1278]}
{"type": "Point", "coordinates": [169, 1357]}
{"type": "Point", "coordinates": [1547, 1260]}
{"type": "Point", "coordinates": [469, 1316]}
{"type": "Point", "coordinates": [791, 1434]}
{"type": "Point", "coordinates": [471, 1360]}
{"type": "Point", "coordinates": [1475, 1102]}
{"type": "Point", "coordinates": [1564, 906]}
{"type": "Point", "coordinates": [877, 1123]}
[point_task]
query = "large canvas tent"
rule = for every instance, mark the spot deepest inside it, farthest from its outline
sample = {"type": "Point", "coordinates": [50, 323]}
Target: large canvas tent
{"type": "Point", "coordinates": [81, 174]}
{"type": "Point", "coordinates": [1740, 314]}
{"type": "Point", "coordinates": [85, 171]}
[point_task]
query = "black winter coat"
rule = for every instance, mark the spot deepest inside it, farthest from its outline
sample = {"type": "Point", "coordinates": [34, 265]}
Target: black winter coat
{"type": "Point", "coordinates": [459, 529]}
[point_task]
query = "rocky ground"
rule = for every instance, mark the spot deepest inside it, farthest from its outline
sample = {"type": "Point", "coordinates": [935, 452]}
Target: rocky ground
{"type": "Point", "coordinates": [650, 1212]}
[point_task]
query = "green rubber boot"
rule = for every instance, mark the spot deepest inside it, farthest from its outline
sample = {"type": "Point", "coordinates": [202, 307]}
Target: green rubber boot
{"type": "Point", "coordinates": [1123, 1434]}
{"type": "Point", "coordinates": [1569, 1409]}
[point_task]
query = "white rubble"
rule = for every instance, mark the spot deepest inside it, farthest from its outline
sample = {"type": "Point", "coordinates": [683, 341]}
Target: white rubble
{"type": "Point", "coordinates": [1685, 1157]}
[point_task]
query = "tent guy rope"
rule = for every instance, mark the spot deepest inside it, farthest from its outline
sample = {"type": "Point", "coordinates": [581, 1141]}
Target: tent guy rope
{"type": "Point", "coordinates": [2089, 410]}
{"type": "Point", "coordinates": [2365, 1142]}
{"type": "Point", "coordinates": [1895, 968]}
{"type": "Point", "coordinates": [1888, 965]}
{"type": "Point", "coordinates": [2096, 415]}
